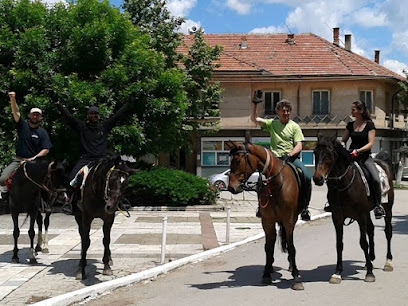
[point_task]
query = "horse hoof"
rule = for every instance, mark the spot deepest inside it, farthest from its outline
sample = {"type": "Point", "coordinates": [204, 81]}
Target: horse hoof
{"type": "Point", "coordinates": [335, 279]}
{"type": "Point", "coordinates": [107, 272]}
{"type": "Point", "coordinates": [33, 261]}
{"type": "Point", "coordinates": [266, 280]}
{"type": "Point", "coordinates": [80, 275]}
{"type": "Point", "coordinates": [110, 262]}
{"type": "Point", "coordinates": [38, 249]}
{"type": "Point", "coordinates": [15, 260]}
{"type": "Point", "coordinates": [370, 278]}
{"type": "Point", "coordinates": [298, 286]}
{"type": "Point", "coordinates": [45, 250]}
{"type": "Point", "coordinates": [388, 266]}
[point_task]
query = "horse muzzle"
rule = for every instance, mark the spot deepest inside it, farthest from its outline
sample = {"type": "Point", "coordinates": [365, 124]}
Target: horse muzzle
{"type": "Point", "coordinates": [111, 208]}
{"type": "Point", "coordinates": [235, 190]}
{"type": "Point", "coordinates": [318, 180]}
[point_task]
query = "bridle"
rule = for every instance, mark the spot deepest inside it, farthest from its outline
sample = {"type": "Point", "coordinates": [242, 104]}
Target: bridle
{"type": "Point", "coordinates": [107, 189]}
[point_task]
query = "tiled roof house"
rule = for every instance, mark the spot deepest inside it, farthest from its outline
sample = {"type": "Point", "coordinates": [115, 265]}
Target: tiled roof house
{"type": "Point", "coordinates": [321, 78]}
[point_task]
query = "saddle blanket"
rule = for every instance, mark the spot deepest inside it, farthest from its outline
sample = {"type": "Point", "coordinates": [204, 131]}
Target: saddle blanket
{"type": "Point", "coordinates": [84, 170]}
{"type": "Point", "coordinates": [385, 186]}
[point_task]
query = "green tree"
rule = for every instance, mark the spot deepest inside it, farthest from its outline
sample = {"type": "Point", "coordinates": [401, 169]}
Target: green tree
{"type": "Point", "coordinates": [88, 53]}
{"type": "Point", "coordinates": [402, 97]}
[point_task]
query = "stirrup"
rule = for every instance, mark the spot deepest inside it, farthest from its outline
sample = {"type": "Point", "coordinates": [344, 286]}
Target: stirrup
{"type": "Point", "coordinates": [305, 215]}
{"type": "Point", "coordinates": [327, 208]}
{"type": "Point", "coordinates": [379, 211]}
{"type": "Point", "coordinates": [67, 208]}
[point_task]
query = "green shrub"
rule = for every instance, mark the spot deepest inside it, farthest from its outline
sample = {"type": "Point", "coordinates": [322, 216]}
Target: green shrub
{"type": "Point", "coordinates": [163, 186]}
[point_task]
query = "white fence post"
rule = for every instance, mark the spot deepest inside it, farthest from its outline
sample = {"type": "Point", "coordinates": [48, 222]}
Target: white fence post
{"type": "Point", "coordinates": [163, 245]}
{"type": "Point", "coordinates": [228, 224]}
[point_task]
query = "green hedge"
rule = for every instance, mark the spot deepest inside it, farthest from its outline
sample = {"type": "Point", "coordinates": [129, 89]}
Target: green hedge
{"type": "Point", "coordinates": [163, 186]}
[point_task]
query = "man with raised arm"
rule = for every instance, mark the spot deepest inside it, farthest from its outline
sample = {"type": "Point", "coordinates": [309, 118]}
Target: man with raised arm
{"type": "Point", "coordinates": [33, 141]}
{"type": "Point", "coordinates": [286, 143]}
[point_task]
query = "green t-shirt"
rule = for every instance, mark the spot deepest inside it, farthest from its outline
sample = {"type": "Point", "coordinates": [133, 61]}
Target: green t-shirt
{"type": "Point", "coordinates": [283, 136]}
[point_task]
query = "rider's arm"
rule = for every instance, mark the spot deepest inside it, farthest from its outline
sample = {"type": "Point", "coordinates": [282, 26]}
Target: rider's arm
{"type": "Point", "coordinates": [14, 106]}
{"type": "Point", "coordinates": [346, 136]}
{"type": "Point", "coordinates": [370, 144]}
{"type": "Point", "coordinates": [43, 152]}
{"type": "Point", "coordinates": [67, 115]}
{"type": "Point", "coordinates": [122, 112]}
{"type": "Point", "coordinates": [296, 150]}
{"type": "Point", "coordinates": [254, 116]}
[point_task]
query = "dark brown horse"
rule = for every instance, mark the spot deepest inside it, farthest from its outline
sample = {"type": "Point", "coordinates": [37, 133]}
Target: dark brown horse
{"type": "Point", "coordinates": [101, 195]}
{"type": "Point", "coordinates": [348, 198]}
{"type": "Point", "coordinates": [30, 180]}
{"type": "Point", "coordinates": [279, 200]}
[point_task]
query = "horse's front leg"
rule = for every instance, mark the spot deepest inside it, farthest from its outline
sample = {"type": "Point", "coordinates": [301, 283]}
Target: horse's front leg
{"type": "Point", "coordinates": [338, 225]}
{"type": "Point", "coordinates": [107, 261]}
{"type": "Point", "coordinates": [364, 246]}
{"type": "Point", "coordinates": [16, 234]}
{"type": "Point", "coordinates": [298, 285]}
{"type": "Point", "coordinates": [85, 243]}
{"type": "Point", "coordinates": [38, 247]}
{"type": "Point", "coordinates": [45, 248]}
{"type": "Point", "coordinates": [370, 234]}
{"type": "Point", "coordinates": [270, 239]}
{"type": "Point", "coordinates": [31, 234]}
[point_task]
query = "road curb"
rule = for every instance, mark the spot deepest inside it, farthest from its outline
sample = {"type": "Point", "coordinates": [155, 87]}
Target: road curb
{"type": "Point", "coordinates": [102, 288]}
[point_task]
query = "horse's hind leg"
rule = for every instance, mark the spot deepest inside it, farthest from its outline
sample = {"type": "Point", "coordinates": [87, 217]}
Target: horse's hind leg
{"type": "Point", "coordinates": [297, 285]}
{"type": "Point", "coordinates": [107, 225]}
{"type": "Point", "coordinates": [370, 234]}
{"type": "Point", "coordinates": [388, 235]}
{"type": "Point", "coordinates": [270, 238]}
{"type": "Point", "coordinates": [16, 234]}
{"type": "Point", "coordinates": [39, 220]}
{"type": "Point", "coordinates": [45, 248]}
{"type": "Point", "coordinates": [338, 225]}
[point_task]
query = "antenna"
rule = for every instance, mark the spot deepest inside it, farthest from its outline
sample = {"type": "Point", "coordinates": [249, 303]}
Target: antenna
{"type": "Point", "coordinates": [290, 32]}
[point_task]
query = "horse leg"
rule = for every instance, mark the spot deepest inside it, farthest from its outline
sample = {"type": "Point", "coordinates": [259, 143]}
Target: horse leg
{"type": "Point", "coordinates": [39, 220]}
{"type": "Point", "coordinates": [338, 225]}
{"type": "Point", "coordinates": [270, 239]}
{"type": "Point", "coordinates": [45, 248]}
{"type": "Point", "coordinates": [85, 243]}
{"type": "Point", "coordinates": [370, 234]}
{"type": "Point", "coordinates": [297, 285]}
{"type": "Point", "coordinates": [107, 261]}
{"type": "Point", "coordinates": [364, 246]}
{"type": "Point", "coordinates": [388, 235]}
{"type": "Point", "coordinates": [16, 234]}
{"type": "Point", "coordinates": [31, 234]}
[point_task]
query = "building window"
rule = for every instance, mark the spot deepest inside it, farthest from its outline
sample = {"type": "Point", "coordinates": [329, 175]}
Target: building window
{"type": "Point", "coordinates": [215, 152]}
{"type": "Point", "coordinates": [271, 99]}
{"type": "Point", "coordinates": [366, 96]}
{"type": "Point", "coordinates": [321, 101]}
{"type": "Point", "coordinates": [307, 157]}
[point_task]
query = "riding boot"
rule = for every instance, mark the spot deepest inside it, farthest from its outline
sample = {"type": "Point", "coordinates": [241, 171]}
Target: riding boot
{"type": "Point", "coordinates": [379, 211]}
{"type": "Point", "coordinates": [305, 214]}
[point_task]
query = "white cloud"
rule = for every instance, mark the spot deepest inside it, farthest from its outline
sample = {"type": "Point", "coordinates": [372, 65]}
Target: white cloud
{"type": "Point", "coordinates": [53, 2]}
{"type": "Point", "coordinates": [400, 41]}
{"type": "Point", "coordinates": [188, 25]}
{"type": "Point", "coordinates": [242, 7]}
{"type": "Point", "coordinates": [396, 66]}
{"type": "Point", "coordinates": [368, 17]}
{"type": "Point", "coordinates": [180, 8]}
{"type": "Point", "coordinates": [270, 29]}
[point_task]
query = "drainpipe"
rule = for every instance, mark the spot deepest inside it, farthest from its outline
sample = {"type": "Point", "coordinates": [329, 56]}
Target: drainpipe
{"type": "Point", "coordinates": [298, 99]}
{"type": "Point", "coordinates": [393, 107]}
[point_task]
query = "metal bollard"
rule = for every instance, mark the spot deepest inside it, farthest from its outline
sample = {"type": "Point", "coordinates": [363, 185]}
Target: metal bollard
{"type": "Point", "coordinates": [163, 245]}
{"type": "Point", "coordinates": [228, 224]}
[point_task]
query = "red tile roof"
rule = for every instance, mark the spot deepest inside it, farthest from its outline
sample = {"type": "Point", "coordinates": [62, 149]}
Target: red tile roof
{"type": "Point", "coordinates": [309, 55]}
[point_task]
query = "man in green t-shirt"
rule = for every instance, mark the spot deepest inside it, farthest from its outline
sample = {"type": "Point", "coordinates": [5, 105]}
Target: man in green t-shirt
{"type": "Point", "coordinates": [286, 143]}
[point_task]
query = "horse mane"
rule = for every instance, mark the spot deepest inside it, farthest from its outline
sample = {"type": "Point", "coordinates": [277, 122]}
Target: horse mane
{"type": "Point", "coordinates": [342, 153]}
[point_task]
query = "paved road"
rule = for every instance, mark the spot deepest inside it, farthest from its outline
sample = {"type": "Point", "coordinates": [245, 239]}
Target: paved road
{"type": "Point", "coordinates": [233, 278]}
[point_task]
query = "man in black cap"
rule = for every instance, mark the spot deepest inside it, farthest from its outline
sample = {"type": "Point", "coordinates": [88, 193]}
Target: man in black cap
{"type": "Point", "coordinates": [33, 141]}
{"type": "Point", "coordinates": [93, 136]}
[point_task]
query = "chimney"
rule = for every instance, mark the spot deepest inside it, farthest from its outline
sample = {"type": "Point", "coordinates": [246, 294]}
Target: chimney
{"type": "Point", "coordinates": [244, 43]}
{"type": "Point", "coordinates": [336, 33]}
{"type": "Point", "coordinates": [290, 39]}
{"type": "Point", "coordinates": [347, 42]}
{"type": "Point", "coordinates": [377, 56]}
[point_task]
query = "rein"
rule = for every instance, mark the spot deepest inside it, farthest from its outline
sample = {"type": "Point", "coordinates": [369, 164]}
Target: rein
{"type": "Point", "coordinates": [338, 178]}
{"type": "Point", "coordinates": [107, 190]}
{"type": "Point", "coordinates": [46, 179]}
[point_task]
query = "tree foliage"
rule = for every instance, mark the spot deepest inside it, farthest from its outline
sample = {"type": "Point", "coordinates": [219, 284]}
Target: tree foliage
{"type": "Point", "coordinates": [402, 97]}
{"type": "Point", "coordinates": [90, 53]}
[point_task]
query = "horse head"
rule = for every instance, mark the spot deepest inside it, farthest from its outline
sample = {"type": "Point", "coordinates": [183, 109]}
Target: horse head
{"type": "Point", "coordinates": [328, 153]}
{"type": "Point", "coordinates": [58, 181]}
{"type": "Point", "coordinates": [243, 164]}
{"type": "Point", "coordinates": [116, 181]}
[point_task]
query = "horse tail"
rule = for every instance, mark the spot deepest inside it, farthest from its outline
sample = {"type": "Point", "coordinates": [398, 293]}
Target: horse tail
{"type": "Point", "coordinates": [284, 241]}
{"type": "Point", "coordinates": [25, 220]}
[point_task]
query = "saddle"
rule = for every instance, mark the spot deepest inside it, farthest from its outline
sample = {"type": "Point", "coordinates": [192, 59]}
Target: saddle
{"type": "Point", "coordinates": [367, 179]}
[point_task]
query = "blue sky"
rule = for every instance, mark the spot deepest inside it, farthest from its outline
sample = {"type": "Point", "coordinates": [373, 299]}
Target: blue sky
{"type": "Point", "coordinates": [373, 24]}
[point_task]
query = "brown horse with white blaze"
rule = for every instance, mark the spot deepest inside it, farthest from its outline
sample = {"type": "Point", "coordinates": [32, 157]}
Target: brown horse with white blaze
{"type": "Point", "coordinates": [279, 200]}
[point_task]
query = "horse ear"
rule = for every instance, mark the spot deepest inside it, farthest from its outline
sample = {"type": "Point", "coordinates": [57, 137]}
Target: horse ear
{"type": "Point", "coordinates": [319, 135]}
{"type": "Point", "coordinates": [334, 138]}
{"type": "Point", "coordinates": [230, 144]}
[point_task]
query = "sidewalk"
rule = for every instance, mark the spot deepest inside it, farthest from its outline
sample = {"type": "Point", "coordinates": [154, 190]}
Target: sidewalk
{"type": "Point", "coordinates": [135, 244]}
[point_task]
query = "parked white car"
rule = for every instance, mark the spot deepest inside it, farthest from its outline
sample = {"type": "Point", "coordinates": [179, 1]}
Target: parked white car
{"type": "Point", "coordinates": [221, 180]}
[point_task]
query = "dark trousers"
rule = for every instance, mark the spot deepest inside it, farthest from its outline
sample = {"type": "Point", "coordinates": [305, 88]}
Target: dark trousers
{"type": "Point", "coordinates": [375, 180]}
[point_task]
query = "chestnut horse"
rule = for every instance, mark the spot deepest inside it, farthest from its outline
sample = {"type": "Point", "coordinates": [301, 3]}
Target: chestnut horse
{"type": "Point", "coordinates": [348, 198]}
{"type": "Point", "coordinates": [279, 200]}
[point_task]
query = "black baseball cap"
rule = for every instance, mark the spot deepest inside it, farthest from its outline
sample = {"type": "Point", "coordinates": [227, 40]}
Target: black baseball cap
{"type": "Point", "coordinates": [93, 109]}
